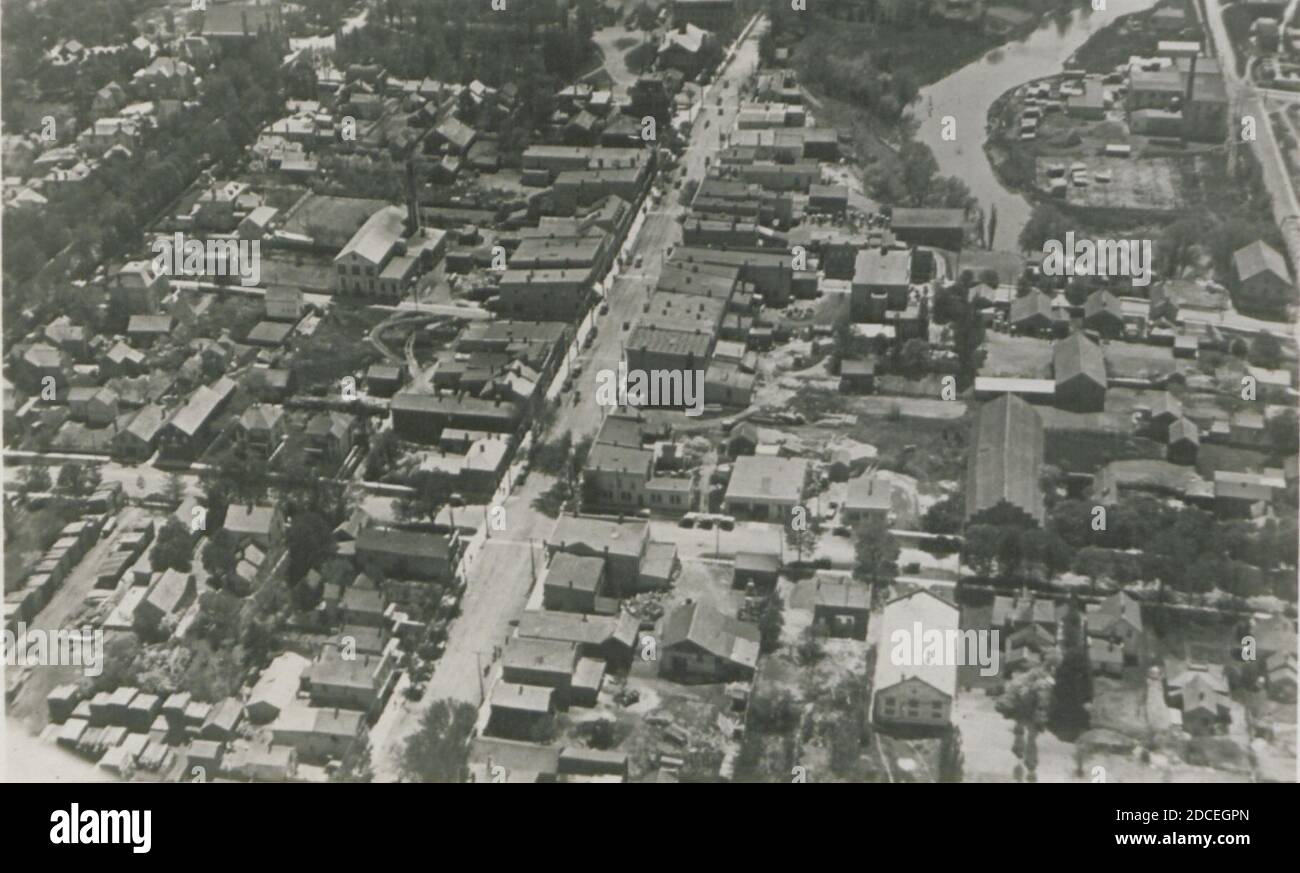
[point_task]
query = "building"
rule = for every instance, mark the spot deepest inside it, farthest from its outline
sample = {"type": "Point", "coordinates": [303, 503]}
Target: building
{"type": "Point", "coordinates": [261, 428]}
{"type": "Point", "coordinates": [168, 595]}
{"type": "Point", "coordinates": [687, 48]}
{"type": "Point", "coordinates": [284, 303]}
{"type": "Point", "coordinates": [360, 683]}
{"type": "Point", "coordinates": [621, 543]}
{"type": "Point", "coordinates": [519, 711]}
{"type": "Point", "coordinates": [766, 488]}
{"type": "Point", "coordinates": [699, 643]}
{"type": "Point", "coordinates": [1118, 619]}
{"type": "Point", "coordinates": [1263, 281]}
{"type": "Point", "coordinates": [938, 228]}
{"type": "Point", "coordinates": [651, 348]}
{"type": "Point", "coordinates": [615, 477]}
{"type": "Point", "coordinates": [905, 693]}
{"type": "Point", "coordinates": [276, 688]}
{"type": "Point", "coordinates": [881, 280]}
{"type": "Point", "coordinates": [869, 496]}
{"type": "Point", "coordinates": [610, 637]}
{"type": "Point", "coordinates": [758, 569]}
{"type": "Point", "coordinates": [401, 554]}
{"type": "Point", "coordinates": [1080, 373]}
{"type": "Point", "coordinates": [261, 525]}
{"type": "Point", "coordinates": [1103, 313]}
{"type": "Point", "coordinates": [1183, 443]}
{"type": "Point", "coordinates": [380, 260]}
{"type": "Point", "coordinates": [1032, 314]}
{"type": "Point", "coordinates": [714, 15]}
{"type": "Point", "coordinates": [840, 606]}
{"type": "Point", "coordinates": [318, 734]}
{"type": "Point", "coordinates": [420, 417]}
{"type": "Point", "coordinates": [554, 294]}
{"type": "Point", "coordinates": [189, 430]}
{"type": "Point", "coordinates": [573, 583]}
{"type": "Point", "coordinates": [857, 377]}
{"type": "Point", "coordinates": [1004, 465]}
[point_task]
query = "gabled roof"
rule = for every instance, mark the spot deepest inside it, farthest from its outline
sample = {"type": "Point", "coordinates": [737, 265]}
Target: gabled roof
{"type": "Point", "coordinates": [377, 237]}
{"type": "Point", "coordinates": [1117, 607]}
{"type": "Point", "coordinates": [1102, 301]}
{"type": "Point", "coordinates": [903, 613]}
{"type": "Point", "coordinates": [1035, 303]}
{"type": "Point", "coordinates": [1075, 356]}
{"type": "Point", "coordinates": [719, 635]}
{"type": "Point", "coordinates": [1005, 458]}
{"type": "Point", "coordinates": [1259, 257]}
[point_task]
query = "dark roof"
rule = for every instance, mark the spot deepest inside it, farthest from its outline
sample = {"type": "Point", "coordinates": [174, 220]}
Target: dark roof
{"type": "Point", "coordinates": [1076, 355]}
{"type": "Point", "coordinates": [401, 542]}
{"type": "Point", "coordinates": [719, 635]}
{"type": "Point", "coordinates": [1100, 301]}
{"type": "Point", "coordinates": [1033, 303]}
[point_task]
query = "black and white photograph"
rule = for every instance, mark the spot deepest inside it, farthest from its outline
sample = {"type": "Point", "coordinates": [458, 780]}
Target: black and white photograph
{"type": "Point", "coordinates": [676, 391]}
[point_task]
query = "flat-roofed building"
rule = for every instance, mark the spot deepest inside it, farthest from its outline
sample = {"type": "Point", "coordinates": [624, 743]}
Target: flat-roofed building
{"type": "Point", "coordinates": [766, 488]}
{"type": "Point", "coordinates": [939, 228]}
{"type": "Point", "coordinates": [881, 280]}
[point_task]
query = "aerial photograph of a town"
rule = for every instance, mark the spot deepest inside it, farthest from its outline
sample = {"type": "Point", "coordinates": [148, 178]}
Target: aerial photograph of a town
{"type": "Point", "coordinates": [785, 391]}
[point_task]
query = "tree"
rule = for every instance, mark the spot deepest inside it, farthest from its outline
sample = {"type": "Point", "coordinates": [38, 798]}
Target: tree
{"type": "Point", "coordinates": [968, 340]}
{"type": "Point", "coordinates": [1072, 686]}
{"type": "Point", "coordinates": [431, 492]}
{"type": "Point", "coordinates": [308, 539]}
{"type": "Point", "coordinates": [803, 539]}
{"type": "Point", "coordinates": [36, 479]}
{"type": "Point", "coordinates": [1283, 434]}
{"type": "Point", "coordinates": [236, 481]}
{"type": "Point", "coordinates": [173, 549]}
{"type": "Point", "coordinates": [914, 357]}
{"type": "Point", "coordinates": [980, 548]}
{"type": "Point", "coordinates": [877, 553]}
{"type": "Point", "coordinates": [1265, 351]}
{"type": "Point", "coordinates": [770, 623]}
{"type": "Point", "coordinates": [355, 765]}
{"type": "Point", "coordinates": [1046, 222]}
{"type": "Point", "coordinates": [79, 480]}
{"type": "Point", "coordinates": [174, 490]}
{"type": "Point", "coordinates": [945, 516]}
{"type": "Point", "coordinates": [220, 555]}
{"type": "Point", "coordinates": [439, 750]}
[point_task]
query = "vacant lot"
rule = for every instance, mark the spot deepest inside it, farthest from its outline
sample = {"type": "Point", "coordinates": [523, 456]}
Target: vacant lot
{"type": "Point", "coordinates": [1143, 185]}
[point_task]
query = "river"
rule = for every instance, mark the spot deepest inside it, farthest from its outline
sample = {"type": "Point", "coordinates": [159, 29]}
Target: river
{"type": "Point", "coordinates": [968, 93]}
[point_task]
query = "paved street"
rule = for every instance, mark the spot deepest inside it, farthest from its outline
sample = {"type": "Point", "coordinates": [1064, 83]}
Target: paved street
{"type": "Point", "coordinates": [501, 577]}
{"type": "Point", "coordinates": [659, 230]}
{"type": "Point", "coordinates": [496, 591]}
{"type": "Point", "coordinates": [1244, 98]}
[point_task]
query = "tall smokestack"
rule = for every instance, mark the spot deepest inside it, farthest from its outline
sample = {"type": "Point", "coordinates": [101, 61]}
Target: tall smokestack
{"type": "Point", "coordinates": [412, 199]}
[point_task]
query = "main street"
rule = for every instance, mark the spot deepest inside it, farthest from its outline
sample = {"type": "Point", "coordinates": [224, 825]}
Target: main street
{"type": "Point", "coordinates": [1245, 99]}
{"type": "Point", "coordinates": [501, 577]}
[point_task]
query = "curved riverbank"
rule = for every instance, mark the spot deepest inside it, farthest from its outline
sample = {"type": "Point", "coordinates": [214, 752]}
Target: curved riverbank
{"type": "Point", "coordinates": [968, 95]}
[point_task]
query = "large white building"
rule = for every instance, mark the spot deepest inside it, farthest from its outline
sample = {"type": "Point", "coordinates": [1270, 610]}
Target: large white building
{"type": "Point", "coordinates": [381, 261]}
{"type": "Point", "coordinates": [907, 691]}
